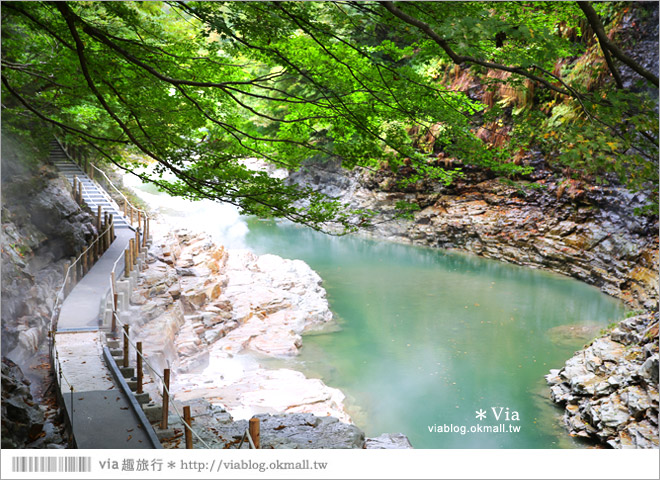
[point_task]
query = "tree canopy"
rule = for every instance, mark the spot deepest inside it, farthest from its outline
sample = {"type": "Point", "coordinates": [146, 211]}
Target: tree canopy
{"type": "Point", "coordinates": [200, 87]}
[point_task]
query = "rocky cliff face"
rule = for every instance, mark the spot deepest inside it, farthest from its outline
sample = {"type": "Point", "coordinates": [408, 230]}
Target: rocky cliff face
{"type": "Point", "coordinates": [610, 389]}
{"type": "Point", "coordinates": [27, 422]}
{"type": "Point", "coordinates": [583, 231]}
{"type": "Point", "coordinates": [22, 420]}
{"type": "Point", "coordinates": [42, 227]}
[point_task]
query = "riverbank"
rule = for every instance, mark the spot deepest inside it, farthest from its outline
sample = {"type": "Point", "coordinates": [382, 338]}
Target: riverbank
{"type": "Point", "coordinates": [610, 389]}
{"type": "Point", "coordinates": [211, 313]}
{"type": "Point", "coordinates": [591, 233]}
{"type": "Point", "coordinates": [588, 232]}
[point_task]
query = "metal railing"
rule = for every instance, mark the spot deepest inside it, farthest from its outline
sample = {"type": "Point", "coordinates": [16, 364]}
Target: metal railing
{"type": "Point", "coordinates": [246, 435]}
{"type": "Point", "coordinates": [154, 372]}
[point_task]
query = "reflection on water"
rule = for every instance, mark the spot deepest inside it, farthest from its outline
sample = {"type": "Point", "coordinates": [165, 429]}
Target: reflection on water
{"type": "Point", "coordinates": [428, 337]}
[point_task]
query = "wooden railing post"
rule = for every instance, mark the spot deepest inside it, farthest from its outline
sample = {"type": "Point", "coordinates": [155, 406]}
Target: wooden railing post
{"type": "Point", "coordinates": [144, 233]}
{"type": "Point", "coordinates": [74, 193]}
{"type": "Point", "coordinates": [74, 271]}
{"type": "Point", "coordinates": [188, 419]}
{"type": "Point", "coordinates": [139, 367]}
{"type": "Point", "coordinates": [80, 197]}
{"type": "Point", "coordinates": [113, 328]}
{"type": "Point", "coordinates": [125, 345]}
{"type": "Point", "coordinates": [112, 228]}
{"type": "Point", "coordinates": [131, 249]}
{"type": "Point", "coordinates": [105, 231]}
{"type": "Point", "coordinates": [125, 206]}
{"type": "Point", "coordinates": [136, 245]}
{"type": "Point", "coordinates": [166, 398]}
{"type": "Point", "coordinates": [254, 432]}
{"type": "Point", "coordinates": [131, 208]}
{"type": "Point", "coordinates": [95, 249]}
{"type": "Point", "coordinates": [127, 263]}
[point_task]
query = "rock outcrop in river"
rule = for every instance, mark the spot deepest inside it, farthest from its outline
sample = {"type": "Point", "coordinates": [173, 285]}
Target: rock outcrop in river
{"type": "Point", "coordinates": [610, 389]}
{"type": "Point", "coordinates": [203, 307]}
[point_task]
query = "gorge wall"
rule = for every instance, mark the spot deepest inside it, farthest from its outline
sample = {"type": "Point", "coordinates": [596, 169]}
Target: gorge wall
{"type": "Point", "coordinates": [583, 231]}
{"type": "Point", "coordinates": [42, 229]}
{"type": "Point", "coordinates": [609, 390]}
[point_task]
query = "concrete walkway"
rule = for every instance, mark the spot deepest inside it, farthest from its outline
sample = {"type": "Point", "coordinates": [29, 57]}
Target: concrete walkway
{"type": "Point", "coordinates": [104, 419]}
{"type": "Point", "coordinates": [82, 308]}
{"type": "Point", "coordinates": [92, 195]}
{"type": "Point", "coordinates": [100, 413]}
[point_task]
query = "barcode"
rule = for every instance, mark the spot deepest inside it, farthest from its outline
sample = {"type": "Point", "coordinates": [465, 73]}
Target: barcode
{"type": "Point", "coordinates": [51, 464]}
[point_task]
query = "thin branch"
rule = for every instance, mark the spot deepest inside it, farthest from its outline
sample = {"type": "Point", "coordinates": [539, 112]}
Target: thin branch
{"type": "Point", "coordinates": [5, 82]}
{"type": "Point", "coordinates": [459, 59]}
{"type": "Point", "coordinates": [12, 6]}
{"type": "Point", "coordinates": [34, 74]}
{"type": "Point", "coordinates": [606, 44]}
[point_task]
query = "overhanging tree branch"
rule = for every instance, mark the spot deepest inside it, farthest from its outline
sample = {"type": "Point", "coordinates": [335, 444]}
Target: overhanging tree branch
{"type": "Point", "coordinates": [460, 59]}
{"type": "Point", "coordinates": [607, 45]}
{"type": "Point", "coordinates": [47, 119]}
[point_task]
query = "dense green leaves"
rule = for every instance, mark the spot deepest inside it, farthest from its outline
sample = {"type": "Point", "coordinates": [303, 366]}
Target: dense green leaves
{"type": "Point", "coordinates": [200, 88]}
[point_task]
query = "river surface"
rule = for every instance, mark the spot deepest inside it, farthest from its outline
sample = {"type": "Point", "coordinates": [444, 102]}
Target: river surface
{"type": "Point", "coordinates": [428, 338]}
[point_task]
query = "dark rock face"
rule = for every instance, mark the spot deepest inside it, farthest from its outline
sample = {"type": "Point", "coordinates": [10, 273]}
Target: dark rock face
{"type": "Point", "coordinates": [587, 232]}
{"type": "Point", "coordinates": [22, 419]}
{"type": "Point", "coordinates": [640, 31]}
{"type": "Point", "coordinates": [304, 430]}
{"type": "Point", "coordinates": [42, 227]}
{"type": "Point", "coordinates": [610, 389]}
{"type": "Point", "coordinates": [217, 429]}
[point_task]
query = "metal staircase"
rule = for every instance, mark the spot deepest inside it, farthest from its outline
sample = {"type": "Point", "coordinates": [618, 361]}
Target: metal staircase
{"type": "Point", "coordinates": [91, 193]}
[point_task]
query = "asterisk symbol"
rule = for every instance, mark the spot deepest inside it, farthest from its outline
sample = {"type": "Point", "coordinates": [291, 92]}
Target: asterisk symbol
{"type": "Point", "coordinates": [481, 414]}
{"type": "Point", "coordinates": [171, 465]}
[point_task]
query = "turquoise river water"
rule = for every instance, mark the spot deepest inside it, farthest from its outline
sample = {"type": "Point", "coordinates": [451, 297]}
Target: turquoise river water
{"type": "Point", "coordinates": [428, 338]}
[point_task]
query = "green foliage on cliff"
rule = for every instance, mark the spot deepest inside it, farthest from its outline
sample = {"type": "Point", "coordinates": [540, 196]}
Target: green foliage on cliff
{"type": "Point", "coordinates": [199, 87]}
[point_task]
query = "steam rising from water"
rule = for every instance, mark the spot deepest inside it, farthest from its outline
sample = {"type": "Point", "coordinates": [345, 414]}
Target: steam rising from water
{"type": "Point", "coordinates": [221, 221]}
